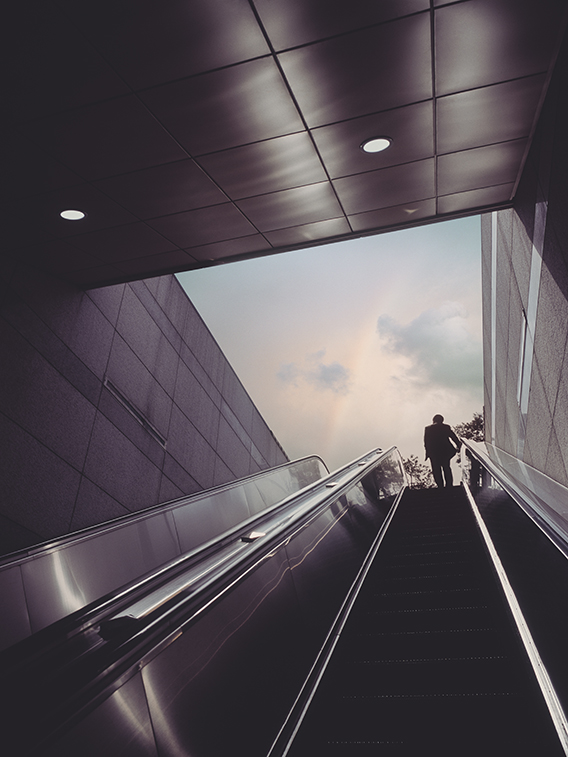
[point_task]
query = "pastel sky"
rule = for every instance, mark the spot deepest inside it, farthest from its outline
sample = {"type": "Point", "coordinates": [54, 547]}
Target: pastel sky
{"type": "Point", "coordinates": [354, 345]}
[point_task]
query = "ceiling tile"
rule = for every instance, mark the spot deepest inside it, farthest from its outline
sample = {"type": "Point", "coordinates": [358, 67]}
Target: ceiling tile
{"type": "Point", "coordinates": [176, 260]}
{"type": "Point", "coordinates": [197, 227]}
{"type": "Point", "coordinates": [310, 232]}
{"type": "Point", "coordinates": [48, 67]}
{"type": "Point", "coordinates": [268, 166]}
{"type": "Point", "coordinates": [60, 256]}
{"type": "Point", "coordinates": [95, 277]}
{"type": "Point", "coordinates": [395, 216]}
{"type": "Point", "coordinates": [292, 207]}
{"type": "Point", "coordinates": [28, 170]}
{"type": "Point", "coordinates": [149, 43]}
{"type": "Point", "coordinates": [106, 139]}
{"type": "Point", "coordinates": [488, 115]}
{"type": "Point", "coordinates": [134, 240]}
{"type": "Point", "coordinates": [476, 198]}
{"type": "Point", "coordinates": [411, 128]}
{"type": "Point", "coordinates": [230, 248]}
{"type": "Point", "coordinates": [364, 72]}
{"type": "Point", "coordinates": [387, 187]}
{"type": "Point", "coordinates": [482, 42]}
{"type": "Point", "coordinates": [162, 190]}
{"type": "Point", "coordinates": [36, 219]}
{"type": "Point", "coordinates": [297, 22]}
{"type": "Point", "coordinates": [481, 167]}
{"type": "Point", "coordinates": [226, 108]}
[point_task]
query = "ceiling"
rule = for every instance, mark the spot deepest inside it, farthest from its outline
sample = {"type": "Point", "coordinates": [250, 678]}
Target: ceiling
{"type": "Point", "coordinates": [196, 132]}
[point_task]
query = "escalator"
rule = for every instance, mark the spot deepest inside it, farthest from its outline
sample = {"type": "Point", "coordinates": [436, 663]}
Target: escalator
{"type": "Point", "coordinates": [428, 661]}
{"type": "Point", "coordinates": [358, 617]}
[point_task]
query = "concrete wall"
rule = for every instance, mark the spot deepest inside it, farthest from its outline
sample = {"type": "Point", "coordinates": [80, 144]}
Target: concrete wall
{"type": "Point", "coordinates": [525, 291]}
{"type": "Point", "coordinates": [112, 400]}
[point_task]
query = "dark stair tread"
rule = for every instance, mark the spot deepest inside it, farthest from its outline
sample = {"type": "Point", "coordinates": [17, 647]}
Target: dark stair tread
{"type": "Point", "coordinates": [427, 661]}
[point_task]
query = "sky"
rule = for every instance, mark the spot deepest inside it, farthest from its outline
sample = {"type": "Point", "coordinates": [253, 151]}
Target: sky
{"type": "Point", "coordinates": [354, 345]}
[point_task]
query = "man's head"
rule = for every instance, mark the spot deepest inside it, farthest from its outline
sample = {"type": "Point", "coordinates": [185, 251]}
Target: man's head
{"type": "Point", "coordinates": [438, 419]}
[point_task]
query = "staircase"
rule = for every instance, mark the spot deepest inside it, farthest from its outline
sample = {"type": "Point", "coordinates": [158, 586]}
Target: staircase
{"type": "Point", "coordinates": [429, 662]}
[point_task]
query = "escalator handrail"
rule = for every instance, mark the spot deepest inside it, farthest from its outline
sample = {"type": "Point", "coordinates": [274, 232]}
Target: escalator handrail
{"type": "Point", "coordinates": [542, 677]}
{"type": "Point", "coordinates": [289, 515]}
{"type": "Point", "coordinates": [100, 528]}
{"type": "Point", "coordinates": [146, 642]}
{"type": "Point", "coordinates": [526, 499]}
{"type": "Point", "coordinates": [107, 606]}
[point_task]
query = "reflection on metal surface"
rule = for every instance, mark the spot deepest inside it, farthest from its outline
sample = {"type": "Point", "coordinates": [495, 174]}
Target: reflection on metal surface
{"type": "Point", "coordinates": [540, 671]}
{"type": "Point", "coordinates": [68, 574]}
{"type": "Point", "coordinates": [253, 536]}
{"type": "Point", "coordinates": [72, 598]}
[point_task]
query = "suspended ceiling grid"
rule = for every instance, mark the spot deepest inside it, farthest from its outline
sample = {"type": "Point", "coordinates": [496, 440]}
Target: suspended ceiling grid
{"type": "Point", "coordinates": [195, 133]}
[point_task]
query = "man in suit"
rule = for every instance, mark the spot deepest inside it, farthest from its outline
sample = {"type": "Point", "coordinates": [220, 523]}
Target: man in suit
{"type": "Point", "coordinates": [438, 440]}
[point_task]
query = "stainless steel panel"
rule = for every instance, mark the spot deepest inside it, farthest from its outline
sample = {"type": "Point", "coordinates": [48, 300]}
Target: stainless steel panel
{"type": "Point", "coordinates": [59, 581]}
{"type": "Point", "coordinates": [387, 187]}
{"type": "Point", "coordinates": [324, 558]}
{"type": "Point", "coordinates": [292, 207]}
{"type": "Point", "coordinates": [183, 186]}
{"type": "Point", "coordinates": [119, 726]}
{"type": "Point", "coordinates": [181, 45]}
{"type": "Point", "coordinates": [475, 198]}
{"type": "Point", "coordinates": [488, 115]}
{"type": "Point", "coordinates": [280, 163]}
{"type": "Point", "coordinates": [226, 108]}
{"type": "Point", "coordinates": [15, 619]}
{"type": "Point", "coordinates": [204, 225]}
{"type": "Point", "coordinates": [64, 580]}
{"type": "Point", "coordinates": [224, 685]}
{"type": "Point", "coordinates": [308, 232]}
{"type": "Point", "coordinates": [480, 167]}
{"type": "Point", "coordinates": [397, 215]}
{"type": "Point", "coordinates": [363, 72]}
{"type": "Point", "coordinates": [411, 129]}
{"type": "Point", "coordinates": [296, 22]}
{"type": "Point", "coordinates": [482, 42]}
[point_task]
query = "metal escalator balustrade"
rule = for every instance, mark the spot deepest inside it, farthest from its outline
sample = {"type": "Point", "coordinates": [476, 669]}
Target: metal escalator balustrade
{"type": "Point", "coordinates": [428, 660]}
{"type": "Point", "coordinates": [47, 582]}
{"type": "Point", "coordinates": [236, 644]}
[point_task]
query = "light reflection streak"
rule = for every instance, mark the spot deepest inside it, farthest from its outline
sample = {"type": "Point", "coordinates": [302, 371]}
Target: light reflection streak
{"type": "Point", "coordinates": [72, 598]}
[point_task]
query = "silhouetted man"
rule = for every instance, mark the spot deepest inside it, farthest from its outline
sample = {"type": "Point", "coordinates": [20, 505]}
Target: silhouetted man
{"type": "Point", "coordinates": [438, 440]}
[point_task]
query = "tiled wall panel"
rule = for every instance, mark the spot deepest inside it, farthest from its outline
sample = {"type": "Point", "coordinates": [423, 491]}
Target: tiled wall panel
{"type": "Point", "coordinates": [543, 189]}
{"type": "Point", "coordinates": [112, 400]}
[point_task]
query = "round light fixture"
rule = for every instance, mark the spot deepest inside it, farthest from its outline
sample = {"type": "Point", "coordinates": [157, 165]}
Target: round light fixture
{"type": "Point", "coordinates": [376, 144]}
{"type": "Point", "coordinates": [72, 215]}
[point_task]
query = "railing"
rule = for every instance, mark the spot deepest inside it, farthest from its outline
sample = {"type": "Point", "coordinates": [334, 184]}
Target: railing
{"type": "Point", "coordinates": [40, 585]}
{"type": "Point", "coordinates": [203, 647]}
{"type": "Point", "coordinates": [520, 514]}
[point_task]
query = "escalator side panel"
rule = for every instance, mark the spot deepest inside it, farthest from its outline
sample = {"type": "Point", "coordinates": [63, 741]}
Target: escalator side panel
{"type": "Point", "coordinates": [68, 574]}
{"type": "Point", "coordinates": [428, 661]}
{"type": "Point", "coordinates": [224, 680]}
{"type": "Point", "coordinates": [119, 726]}
{"type": "Point", "coordinates": [65, 580]}
{"type": "Point", "coordinates": [229, 678]}
{"type": "Point", "coordinates": [16, 623]}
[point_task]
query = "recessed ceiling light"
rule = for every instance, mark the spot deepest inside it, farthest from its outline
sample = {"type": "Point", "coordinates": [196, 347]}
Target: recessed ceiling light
{"type": "Point", "coordinates": [376, 144]}
{"type": "Point", "coordinates": [72, 215]}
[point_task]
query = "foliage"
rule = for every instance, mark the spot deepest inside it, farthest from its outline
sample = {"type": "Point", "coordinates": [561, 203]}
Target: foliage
{"type": "Point", "coordinates": [419, 474]}
{"type": "Point", "coordinates": [472, 429]}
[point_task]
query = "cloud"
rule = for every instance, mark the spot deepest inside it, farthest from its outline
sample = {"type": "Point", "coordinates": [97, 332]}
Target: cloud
{"type": "Point", "coordinates": [439, 346]}
{"type": "Point", "coordinates": [332, 377]}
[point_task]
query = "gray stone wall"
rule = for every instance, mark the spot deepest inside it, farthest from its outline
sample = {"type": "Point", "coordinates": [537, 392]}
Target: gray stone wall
{"type": "Point", "coordinates": [525, 293]}
{"type": "Point", "coordinates": [112, 400]}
